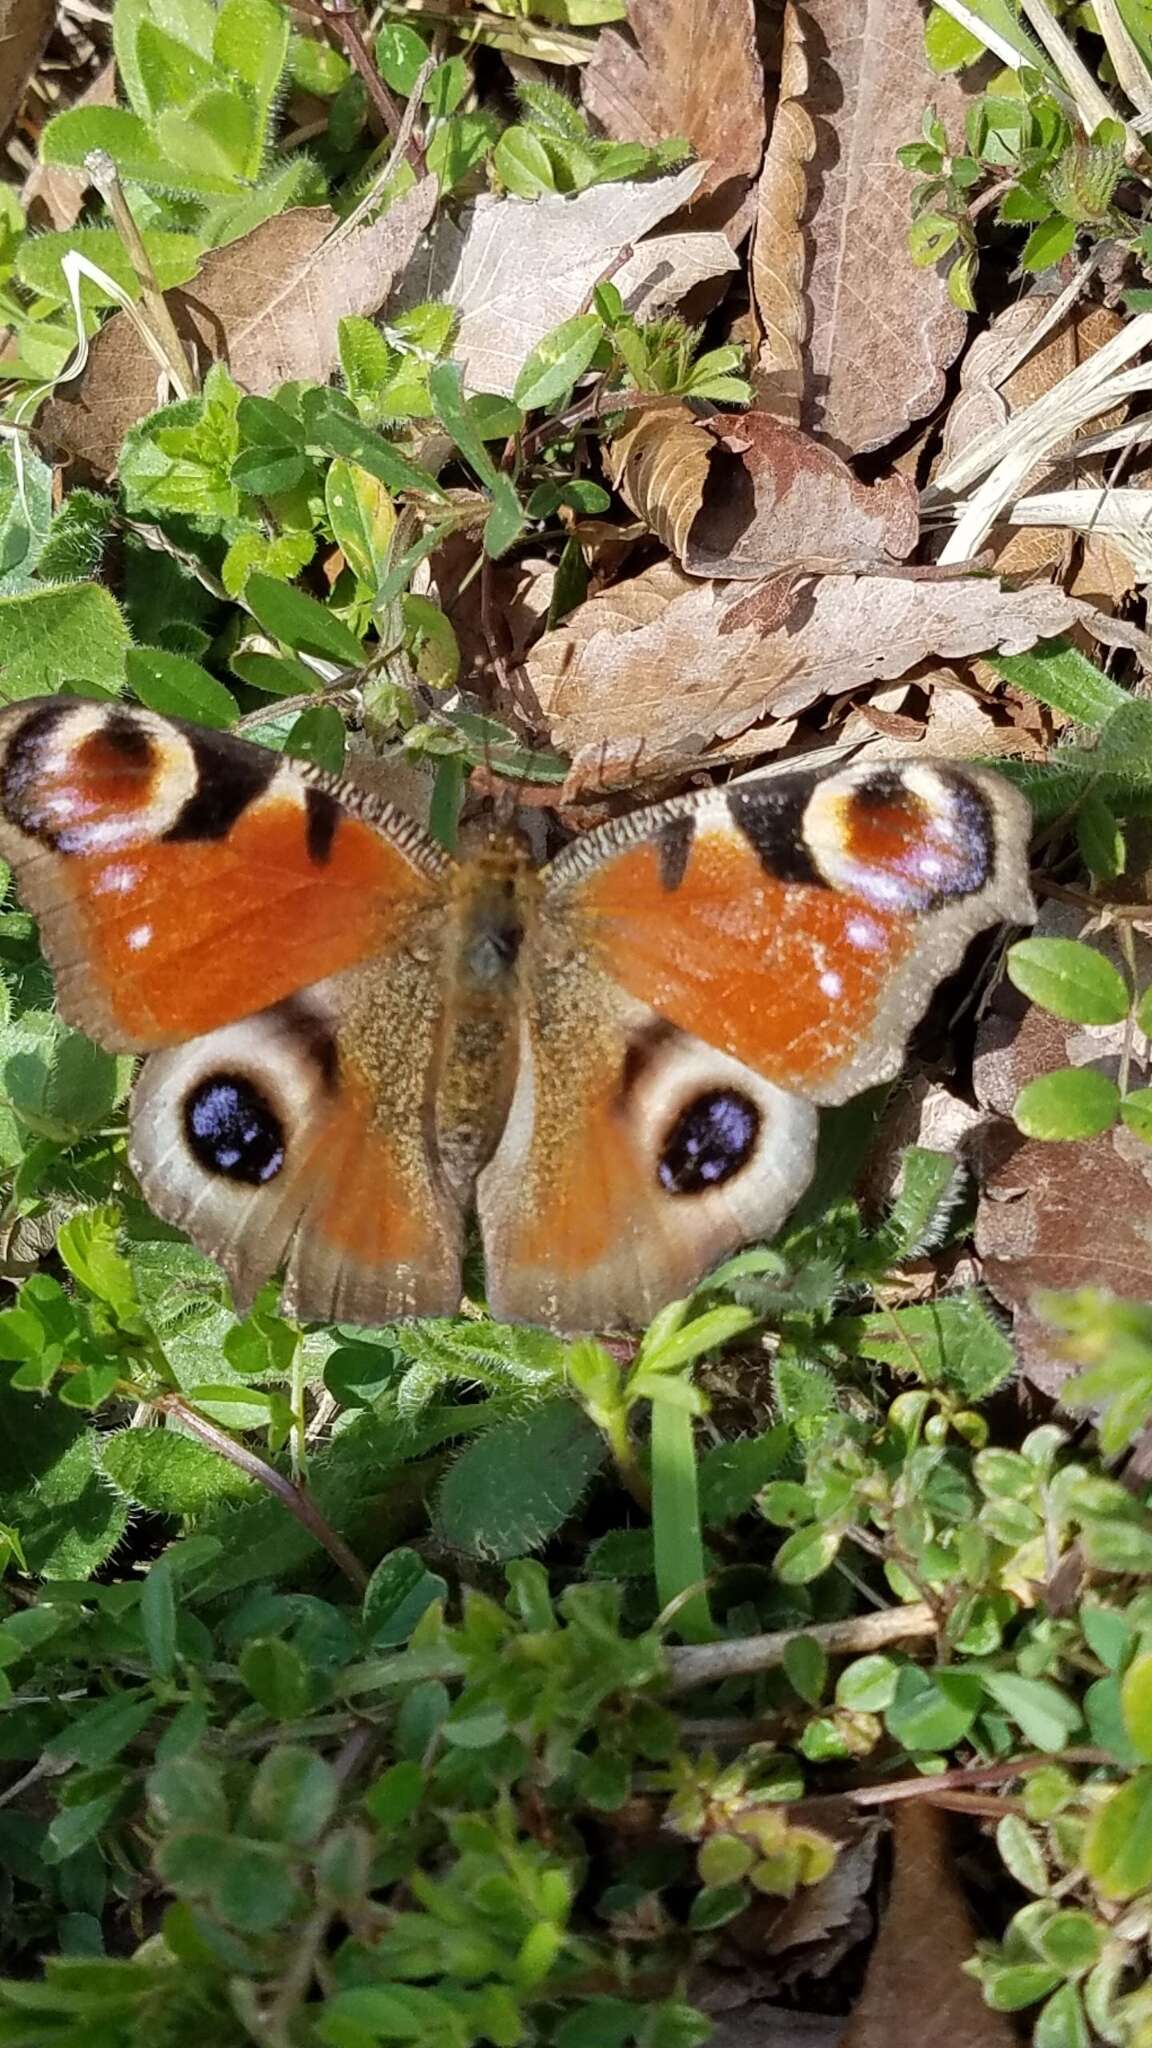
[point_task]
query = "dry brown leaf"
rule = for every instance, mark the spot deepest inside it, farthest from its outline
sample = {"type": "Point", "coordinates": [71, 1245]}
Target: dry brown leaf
{"type": "Point", "coordinates": [664, 269]}
{"type": "Point", "coordinates": [25, 26]}
{"type": "Point", "coordinates": [879, 333]}
{"type": "Point", "coordinates": [779, 258]}
{"type": "Point", "coordinates": [915, 1990]}
{"type": "Point", "coordinates": [268, 305]}
{"type": "Point", "coordinates": [515, 268]}
{"type": "Point", "coordinates": [667, 659]}
{"type": "Point", "coordinates": [687, 69]}
{"type": "Point", "coordinates": [746, 496]}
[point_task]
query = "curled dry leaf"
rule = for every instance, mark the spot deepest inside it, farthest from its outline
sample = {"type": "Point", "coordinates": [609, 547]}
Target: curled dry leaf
{"type": "Point", "coordinates": [669, 660]}
{"type": "Point", "coordinates": [915, 1989]}
{"type": "Point", "coordinates": [269, 305]}
{"type": "Point", "coordinates": [692, 70]}
{"type": "Point", "coordinates": [515, 268]}
{"type": "Point", "coordinates": [878, 334]}
{"type": "Point", "coordinates": [779, 256]}
{"type": "Point", "coordinates": [746, 496]}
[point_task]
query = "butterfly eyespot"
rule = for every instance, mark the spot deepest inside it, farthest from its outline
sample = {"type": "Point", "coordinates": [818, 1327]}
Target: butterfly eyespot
{"type": "Point", "coordinates": [233, 1130]}
{"type": "Point", "coordinates": [712, 1138]}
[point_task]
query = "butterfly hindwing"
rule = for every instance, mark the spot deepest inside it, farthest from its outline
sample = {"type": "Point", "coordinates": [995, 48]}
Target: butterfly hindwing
{"type": "Point", "coordinates": [298, 1138]}
{"type": "Point", "coordinates": [185, 878]}
{"type": "Point", "coordinates": [801, 924]}
{"type": "Point", "coordinates": [633, 1156]}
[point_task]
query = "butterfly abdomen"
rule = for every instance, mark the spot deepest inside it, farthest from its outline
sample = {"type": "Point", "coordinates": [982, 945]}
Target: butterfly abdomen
{"type": "Point", "coordinates": [494, 895]}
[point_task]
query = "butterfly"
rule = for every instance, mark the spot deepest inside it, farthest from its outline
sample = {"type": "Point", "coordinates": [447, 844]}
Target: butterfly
{"type": "Point", "coordinates": [354, 1039]}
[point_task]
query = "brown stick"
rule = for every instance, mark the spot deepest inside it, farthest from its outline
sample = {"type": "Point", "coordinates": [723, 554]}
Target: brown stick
{"type": "Point", "coordinates": [705, 1663]}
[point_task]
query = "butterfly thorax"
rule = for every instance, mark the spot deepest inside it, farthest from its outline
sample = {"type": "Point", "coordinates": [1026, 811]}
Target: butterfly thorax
{"type": "Point", "coordinates": [493, 901]}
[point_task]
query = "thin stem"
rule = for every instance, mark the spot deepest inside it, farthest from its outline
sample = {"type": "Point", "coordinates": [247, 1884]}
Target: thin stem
{"type": "Point", "coordinates": [707, 1663]}
{"type": "Point", "coordinates": [920, 1787]}
{"type": "Point", "coordinates": [294, 1498]}
{"type": "Point", "coordinates": [106, 178]}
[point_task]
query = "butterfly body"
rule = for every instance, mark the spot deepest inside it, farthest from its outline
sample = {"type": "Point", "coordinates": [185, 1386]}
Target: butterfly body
{"type": "Point", "coordinates": [355, 1040]}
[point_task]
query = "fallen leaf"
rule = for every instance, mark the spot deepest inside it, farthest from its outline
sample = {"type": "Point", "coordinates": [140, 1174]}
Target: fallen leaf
{"type": "Point", "coordinates": [916, 1990]}
{"type": "Point", "coordinates": [268, 305]}
{"type": "Point", "coordinates": [690, 70]}
{"type": "Point", "coordinates": [747, 495]}
{"type": "Point", "coordinates": [778, 259]}
{"type": "Point", "coordinates": [879, 333]}
{"type": "Point", "coordinates": [515, 268]}
{"type": "Point", "coordinates": [667, 659]}
{"type": "Point", "coordinates": [25, 26]}
{"type": "Point", "coordinates": [666, 268]}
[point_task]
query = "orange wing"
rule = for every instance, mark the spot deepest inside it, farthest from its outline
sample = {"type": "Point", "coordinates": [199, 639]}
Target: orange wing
{"type": "Point", "coordinates": [800, 924]}
{"type": "Point", "coordinates": [183, 878]}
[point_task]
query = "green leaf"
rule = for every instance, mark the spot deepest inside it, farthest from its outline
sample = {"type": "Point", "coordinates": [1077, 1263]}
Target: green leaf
{"type": "Point", "coordinates": [69, 138]}
{"type": "Point", "coordinates": [807, 1553]}
{"type": "Point", "coordinates": [1061, 2022]}
{"type": "Point", "coordinates": [506, 519]}
{"type": "Point", "coordinates": [179, 688]}
{"type": "Point", "coordinates": [363, 519]}
{"type": "Point", "coordinates": [98, 1734]}
{"type": "Point", "coordinates": [1136, 1703]}
{"type": "Point", "coordinates": [1047, 1717]}
{"type": "Point", "coordinates": [933, 1709]}
{"type": "Point", "coordinates": [400, 54]}
{"type": "Point", "coordinates": [806, 1667]}
{"type": "Point", "coordinates": [522, 163]}
{"type": "Point", "coordinates": [513, 1488]}
{"type": "Point", "coordinates": [318, 736]}
{"type": "Point", "coordinates": [88, 1244]}
{"type": "Point", "coordinates": [1070, 979]}
{"type": "Point", "coordinates": [293, 1795]}
{"type": "Point", "coordinates": [168, 1473]}
{"type": "Point", "coordinates": [1020, 1849]}
{"type": "Point", "coordinates": [868, 1685]}
{"type": "Point", "coordinates": [272, 457]}
{"type": "Point", "coordinates": [953, 1342]}
{"type": "Point", "coordinates": [299, 622]}
{"type": "Point", "coordinates": [334, 429]}
{"type": "Point", "coordinates": [158, 1618]}
{"type": "Point", "coordinates": [1075, 1102]}
{"type": "Point", "coordinates": [67, 633]}
{"type": "Point", "coordinates": [1100, 837]}
{"type": "Point", "coordinates": [25, 521]}
{"type": "Point", "coordinates": [948, 46]}
{"type": "Point", "coordinates": [396, 1795]}
{"type": "Point", "coordinates": [446, 87]}
{"type": "Point", "coordinates": [1048, 243]}
{"type": "Point", "coordinates": [251, 42]}
{"type": "Point", "coordinates": [400, 1590]}
{"type": "Point", "coordinates": [558, 359]}
{"type": "Point", "coordinates": [171, 73]}
{"type": "Point", "coordinates": [277, 1676]}
{"type": "Point", "coordinates": [250, 1884]}
{"type": "Point", "coordinates": [1117, 1849]}
{"type": "Point", "coordinates": [220, 130]}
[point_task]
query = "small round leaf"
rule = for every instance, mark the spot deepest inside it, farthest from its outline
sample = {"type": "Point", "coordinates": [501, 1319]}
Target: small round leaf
{"type": "Point", "coordinates": [1070, 979]}
{"type": "Point", "coordinates": [1075, 1102]}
